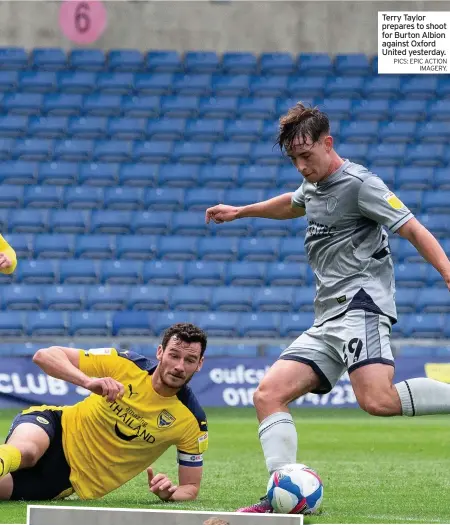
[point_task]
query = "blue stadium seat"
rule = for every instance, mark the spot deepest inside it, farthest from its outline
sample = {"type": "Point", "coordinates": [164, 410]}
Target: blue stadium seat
{"type": "Point", "coordinates": [304, 301]}
{"type": "Point", "coordinates": [112, 151]}
{"type": "Point", "coordinates": [432, 132]}
{"type": "Point", "coordinates": [236, 350]}
{"type": "Point", "coordinates": [8, 80]}
{"type": "Point", "coordinates": [373, 109]}
{"type": "Point", "coordinates": [120, 271]}
{"type": "Point", "coordinates": [364, 131]}
{"type": "Point", "coordinates": [236, 85]}
{"type": "Point", "coordinates": [401, 132]}
{"type": "Point", "coordinates": [83, 197]}
{"type": "Point", "coordinates": [258, 108]}
{"type": "Point", "coordinates": [191, 84]}
{"type": "Point", "coordinates": [22, 244]}
{"type": "Point", "coordinates": [151, 223]}
{"type": "Point", "coordinates": [293, 324]}
{"type": "Point", "coordinates": [266, 153]}
{"type": "Point", "coordinates": [7, 145]}
{"type": "Point", "coordinates": [352, 64]}
{"type": "Point", "coordinates": [87, 59]}
{"type": "Point", "coordinates": [11, 196]}
{"type": "Point", "coordinates": [163, 273]}
{"type": "Point", "coordinates": [424, 325]}
{"type": "Point", "coordinates": [230, 153]}
{"type": "Point", "coordinates": [64, 104]}
{"type": "Point", "coordinates": [68, 221]}
{"type": "Point", "coordinates": [344, 87]}
{"type": "Point", "coordinates": [141, 175]}
{"type": "Point", "coordinates": [274, 299]}
{"type": "Point", "coordinates": [201, 198]}
{"type": "Point", "coordinates": [217, 176]}
{"type": "Point", "coordinates": [50, 324]}
{"type": "Point", "coordinates": [30, 149]}
{"type": "Point", "coordinates": [76, 81]}
{"type": "Point", "coordinates": [87, 127]}
{"type": "Point", "coordinates": [143, 106]}
{"type": "Point", "coordinates": [125, 60]}
{"type": "Point", "coordinates": [285, 104]}
{"type": "Point", "coordinates": [53, 246]}
{"type": "Point", "coordinates": [106, 297]}
{"type": "Point", "coordinates": [47, 127]}
{"type": "Point", "coordinates": [386, 174]}
{"type": "Point", "coordinates": [287, 274]}
{"type": "Point", "coordinates": [11, 323]}
{"type": "Point", "coordinates": [245, 273]}
{"type": "Point", "coordinates": [382, 87]}
{"type": "Point", "coordinates": [288, 178]}
{"type": "Point", "coordinates": [259, 249]}
{"type": "Point", "coordinates": [421, 87]}
{"type": "Point", "coordinates": [94, 247]}
{"type": "Point", "coordinates": [80, 271]}
{"type": "Point", "coordinates": [48, 59]}
{"type": "Point", "coordinates": [411, 275]}
{"type": "Point", "coordinates": [27, 221]}
{"type": "Point", "coordinates": [13, 125]}
{"type": "Point", "coordinates": [256, 177]}
{"type": "Point", "coordinates": [43, 197]}
{"type": "Point", "coordinates": [163, 61]}
{"type": "Point", "coordinates": [37, 81]}
{"type": "Point", "coordinates": [148, 298]}
{"type": "Point", "coordinates": [236, 63]}
{"type": "Point", "coordinates": [204, 273]}
{"type": "Point", "coordinates": [105, 221]}
{"type": "Point", "coordinates": [218, 324]}
{"type": "Point", "coordinates": [127, 128]}
{"type": "Point", "coordinates": [73, 150]}
{"type": "Point", "coordinates": [89, 323]}
{"type": "Point", "coordinates": [98, 174]}
{"type": "Point", "coordinates": [20, 297]}
{"type": "Point", "coordinates": [189, 223]}
{"type": "Point", "coordinates": [438, 224]}
{"type": "Point", "coordinates": [443, 87]}
{"type": "Point", "coordinates": [405, 251]}
{"type": "Point", "coordinates": [135, 246]}
{"type": "Point", "coordinates": [406, 299]}
{"type": "Point", "coordinates": [132, 323]}
{"type": "Point", "coordinates": [162, 320]}
{"type": "Point", "coordinates": [101, 104]}
{"type": "Point", "coordinates": [355, 152]}
{"type": "Point", "coordinates": [411, 198]}
{"type": "Point", "coordinates": [220, 107]}
{"type": "Point", "coordinates": [337, 108]}
{"type": "Point", "coordinates": [166, 129]}
{"type": "Point", "coordinates": [13, 58]}
{"type": "Point", "coordinates": [433, 300]}
{"type": "Point", "coordinates": [424, 155]}
{"type": "Point", "coordinates": [217, 248]}
{"type": "Point", "coordinates": [201, 62]}
{"type": "Point", "coordinates": [239, 228]}
{"type": "Point", "coordinates": [314, 64]}
{"type": "Point", "coordinates": [409, 110]}
{"type": "Point", "coordinates": [292, 250]}
{"type": "Point", "coordinates": [271, 228]}
{"type": "Point", "coordinates": [439, 110]}
{"type": "Point", "coordinates": [66, 297]}
{"type": "Point", "coordinates": [246, 130]}
{"type": "Point", "coordinates": [179, 106]}
{"type": "Point", "coordinates": [190, 298]}
{"type": "Point", "coordinates": [153, 83]}
{"type": "Point", "coordinates": [232, 298]}
{"type": "Point", "coordinates": [268, 86]}
{"type": "Point", "coordinates": [386, 154]}
{"type": "Point", "coordinates": [441, 179]}
{"type": "Point", "coordinates": [115, 83]}
{"type": "Point", "coordinates": [436, 202]}
{"type": "Point", "coordinates": [151, 151]}
{"type": "Point", "coordinates": [277, 63]}
{"type": "Point", "coordinates": [164, 199]}
{"type": "Point", "coordinates": [177, 247]}
{"type": "Point", "coordinates": [203, 130]}
{"type": "Point", "coordinates": [192, 152]}
{"type": "Point", "coordinates": [124, 198]}
{"type": "Point", "coordinates": [261, 324]}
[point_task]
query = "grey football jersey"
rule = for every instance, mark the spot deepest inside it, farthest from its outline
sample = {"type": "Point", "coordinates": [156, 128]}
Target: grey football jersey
{"type": "Point", "coordinates": [346, 244]}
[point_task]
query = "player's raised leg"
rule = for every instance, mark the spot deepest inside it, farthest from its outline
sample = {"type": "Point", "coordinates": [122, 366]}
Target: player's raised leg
{"type": "Point", "coordinates": [25, 445]}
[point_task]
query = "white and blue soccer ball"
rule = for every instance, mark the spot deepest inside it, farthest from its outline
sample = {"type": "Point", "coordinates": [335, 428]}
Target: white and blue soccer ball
{"type": "Point", "coordinates": [295, 489]}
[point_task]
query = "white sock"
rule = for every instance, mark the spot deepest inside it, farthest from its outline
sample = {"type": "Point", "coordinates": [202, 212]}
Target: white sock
{"type": "Point", "coordinates": [278, 438]}
{"type": "Point", "coordinates": [422, 397]}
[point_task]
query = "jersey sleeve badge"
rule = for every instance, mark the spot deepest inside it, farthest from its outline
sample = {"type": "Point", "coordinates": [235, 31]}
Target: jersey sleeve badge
{"type": "Point", "coordinates": [393, 201]}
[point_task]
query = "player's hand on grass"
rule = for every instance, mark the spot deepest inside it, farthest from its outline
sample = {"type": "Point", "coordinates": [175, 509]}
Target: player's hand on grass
{"type": "Point", "coordinates": [221, 213]}
{"type": "Point", "coordinates": [106, 387]}
{"type": "Point", "coordinates": [160, 485]}
{"type": "Point", "coordinates": [5, 261]}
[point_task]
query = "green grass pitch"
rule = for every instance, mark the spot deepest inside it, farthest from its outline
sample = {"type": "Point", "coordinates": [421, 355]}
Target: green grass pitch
{"type": "Point", "coordinates": [374, 470]}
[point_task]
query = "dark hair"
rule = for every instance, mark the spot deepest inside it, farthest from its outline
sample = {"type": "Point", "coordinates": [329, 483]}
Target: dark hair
{"type": "Point", "coordinates": [303, 122]}
{"type": "Point", "coordinates": [188, 333]}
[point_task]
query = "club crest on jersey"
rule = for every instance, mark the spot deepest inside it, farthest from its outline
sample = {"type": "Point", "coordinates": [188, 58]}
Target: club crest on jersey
{"type": "Point", "coordinates": [165, 419]}
{"type": "Point", "coordinates": [393, 201]}
{"type": "Point", "coordinates": [331, 204]}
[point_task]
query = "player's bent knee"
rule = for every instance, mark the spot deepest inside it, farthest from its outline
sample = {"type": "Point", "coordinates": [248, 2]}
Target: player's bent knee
{"type": "Point", "coordinates": [381, 407]}
{"type": "Point", "coordinates": [31, 454]}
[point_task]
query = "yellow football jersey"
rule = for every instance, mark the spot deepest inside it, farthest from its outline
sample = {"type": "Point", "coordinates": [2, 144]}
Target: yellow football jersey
{"type": "Point", "coordinates": [106, 444]}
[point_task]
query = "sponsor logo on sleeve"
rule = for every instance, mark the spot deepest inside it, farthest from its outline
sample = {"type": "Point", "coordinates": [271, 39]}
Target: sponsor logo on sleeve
{"type": "Point", "coordinates": [393, 201]}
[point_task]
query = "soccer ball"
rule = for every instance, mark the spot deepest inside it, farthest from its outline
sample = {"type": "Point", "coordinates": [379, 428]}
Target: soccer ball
{"type": "Point", "coordinates": [295, 489]}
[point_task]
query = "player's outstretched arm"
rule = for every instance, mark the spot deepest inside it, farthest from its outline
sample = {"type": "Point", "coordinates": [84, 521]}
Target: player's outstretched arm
{"type": "Point", "coordinates": [64, 363]}
{"type": "Point", "coordinates": [279, 207]}
{"type": "Point", "coordinates": [428, 246]}
{"type": "Point", "coordinates": [8, 258]}
{"type": "Point", "coordinates": [189, 484]}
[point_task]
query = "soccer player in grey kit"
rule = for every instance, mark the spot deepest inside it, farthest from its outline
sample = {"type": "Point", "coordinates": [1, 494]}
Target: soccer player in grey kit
{"type": "Point", "coordinates": [346, 206]}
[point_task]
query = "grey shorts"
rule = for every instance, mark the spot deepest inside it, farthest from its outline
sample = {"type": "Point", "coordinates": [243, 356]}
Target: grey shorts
{"type": "Point", "coordinates": [348, 342]}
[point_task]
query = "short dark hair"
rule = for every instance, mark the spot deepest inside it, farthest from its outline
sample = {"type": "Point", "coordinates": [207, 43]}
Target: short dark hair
{"type": "Point", "coordinates": [188, 333]}
{"type": "Point", "coordinates": [302, 122]}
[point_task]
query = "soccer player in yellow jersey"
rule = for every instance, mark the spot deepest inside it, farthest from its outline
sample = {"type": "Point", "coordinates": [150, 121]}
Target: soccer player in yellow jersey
{"type": "Point", "coordinates": [136, 411]}
{"type": "Point", "coordinates": [8, 259]}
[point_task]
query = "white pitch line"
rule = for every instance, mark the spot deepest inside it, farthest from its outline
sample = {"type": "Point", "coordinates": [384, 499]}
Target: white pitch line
{"type": "Point", "coordinates": [402, 518]}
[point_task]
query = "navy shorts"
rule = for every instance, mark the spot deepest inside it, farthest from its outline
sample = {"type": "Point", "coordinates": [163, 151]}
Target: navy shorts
{"type": "Point", "coordinates": [49, 478]}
